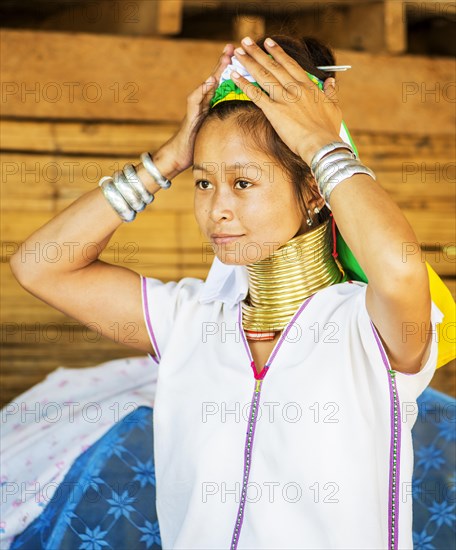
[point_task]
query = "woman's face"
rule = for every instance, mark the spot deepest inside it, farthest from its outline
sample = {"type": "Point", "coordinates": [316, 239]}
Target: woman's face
{"type": "Point", "coordinates": [242, 192]}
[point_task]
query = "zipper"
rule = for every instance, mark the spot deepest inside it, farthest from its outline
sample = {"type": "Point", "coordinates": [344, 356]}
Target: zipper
{"type": "Point", "coordinates": [253, 414]}
{"type": "Point", "coordinates": [247, 459]}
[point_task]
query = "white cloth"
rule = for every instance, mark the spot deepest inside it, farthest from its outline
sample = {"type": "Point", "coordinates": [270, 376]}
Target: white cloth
{"type": "Point", "coordinates": [235, 65]}
{"type": "Point", "coordinates": [46, 428]}
{"type": "Point", "coordinates": [227, 283]}
{"type": "Point", "coordinates": [321, 471]}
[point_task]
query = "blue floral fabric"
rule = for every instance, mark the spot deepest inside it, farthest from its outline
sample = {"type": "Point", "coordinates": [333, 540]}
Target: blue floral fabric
{"type": "Point", "coordinates": [107, 499]}
{"type": "Point", "coordinates": [434, 477]}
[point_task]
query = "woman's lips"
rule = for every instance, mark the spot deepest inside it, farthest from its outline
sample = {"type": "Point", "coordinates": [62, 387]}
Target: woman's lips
{"type": "Point", "coordinates": [225, 240]}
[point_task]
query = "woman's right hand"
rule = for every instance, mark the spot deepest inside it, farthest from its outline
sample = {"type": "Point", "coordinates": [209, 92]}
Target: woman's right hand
{"type": "Point", "coordinates": [180, 146]}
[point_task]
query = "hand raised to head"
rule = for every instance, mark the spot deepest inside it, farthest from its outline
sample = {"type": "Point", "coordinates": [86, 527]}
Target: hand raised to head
{"type": "Point", "coordinates": [181, 145]}
{"type": "Point", "coordinates": [305, 117]}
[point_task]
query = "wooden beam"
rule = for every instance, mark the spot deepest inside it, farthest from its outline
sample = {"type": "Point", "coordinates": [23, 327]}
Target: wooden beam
{"type": "Point", "coordinates": [429, 8]}
{"type": "Point", "coordinates": [57, 76]}
{"type": "Point", "coordinates": [386, 150]}
{"type": "Point", "coordinates": [248, 25]}
{"type": "Point", "coordinates": [139, 18]}
{"type": "Point", "coordinates": [102, 138]}
{"type": "Point", "coordinates": [394, 27]}
{"type": "Point", "coordinates": [167, 16]}
{"type": "Point", "coordinates": [265, 5]}
{"type": "Point", "coordinates": [376, 27]}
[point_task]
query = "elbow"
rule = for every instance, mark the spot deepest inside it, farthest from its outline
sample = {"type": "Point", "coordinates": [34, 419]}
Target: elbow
{"type": "Point", "coordinates": [21, 270]}
{"type": "Point", "coordinates": [396, 267]}
{"type": "Point", "coordinates": [402, 279]}
{"type": "Point", "coordinates": [17, 267]}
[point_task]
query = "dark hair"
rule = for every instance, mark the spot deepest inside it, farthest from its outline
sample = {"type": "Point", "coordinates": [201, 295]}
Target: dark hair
{"type": "Point", "coordinates": [308, 52]}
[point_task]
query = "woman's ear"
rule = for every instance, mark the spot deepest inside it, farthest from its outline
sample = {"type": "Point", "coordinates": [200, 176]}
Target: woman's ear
{"type": "Point", "coordinates": [319, 203]}
{"type": "Point", "coordinates": [316, 201]}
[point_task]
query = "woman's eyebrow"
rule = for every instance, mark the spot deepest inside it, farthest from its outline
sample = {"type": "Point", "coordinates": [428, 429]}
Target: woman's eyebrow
{"type": "Point", "coordinates": [210, 165]}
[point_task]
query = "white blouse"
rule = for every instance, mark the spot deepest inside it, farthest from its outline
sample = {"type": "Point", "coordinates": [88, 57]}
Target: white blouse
{"type": "Point", "coordinates": [315, 452]}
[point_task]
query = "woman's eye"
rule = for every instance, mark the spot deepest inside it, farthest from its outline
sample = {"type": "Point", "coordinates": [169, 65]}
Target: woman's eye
{"type": "Point", "coordinates": [201, 184]}
{"type": "Point", "coordinates": [204, 184]}
{"type": "Point", "coordinates": [243, 182]}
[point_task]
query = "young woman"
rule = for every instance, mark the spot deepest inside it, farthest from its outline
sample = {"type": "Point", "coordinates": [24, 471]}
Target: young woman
{"type": "Point", "coordinates": [277, 415]}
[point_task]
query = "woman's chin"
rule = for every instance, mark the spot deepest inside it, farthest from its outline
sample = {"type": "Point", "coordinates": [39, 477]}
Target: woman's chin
{"type": "Point", "coordinates": [236, 254]}
{"type": "Point", "coordinates": [230, 259]}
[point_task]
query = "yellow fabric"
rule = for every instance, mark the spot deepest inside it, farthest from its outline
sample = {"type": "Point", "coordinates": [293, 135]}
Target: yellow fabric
{"type": "Point", "coordinates": [446, 330]}
{"type": "Point", "coordinates": [233, 95]}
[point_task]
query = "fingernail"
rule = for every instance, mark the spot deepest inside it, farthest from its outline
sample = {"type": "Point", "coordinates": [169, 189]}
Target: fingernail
{"type": "Point", "coordinates": [239, 51]}
{"type": "Point", "coordinates": [225, 49]}
{"type": "Point", "coordinates": [269, 42]}
{"type": "Point", "coordinates": [210, 80]}
{"type": "Point", "coordinates": [235, 74]}
{"type": "Point", "coordinates": [247, 41]}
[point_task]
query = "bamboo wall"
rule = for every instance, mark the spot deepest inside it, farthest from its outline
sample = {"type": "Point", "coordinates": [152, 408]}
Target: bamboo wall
{"type": "Point", "coordinates": [77, 106]}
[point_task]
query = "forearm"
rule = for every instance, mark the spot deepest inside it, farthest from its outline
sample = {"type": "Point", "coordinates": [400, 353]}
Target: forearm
{"type": "Point", "coordinates": [377, 233]}
{"type": "Point", "coordinates": [374, 228]}
{"type": "Point", "coordinates": [78, 235]}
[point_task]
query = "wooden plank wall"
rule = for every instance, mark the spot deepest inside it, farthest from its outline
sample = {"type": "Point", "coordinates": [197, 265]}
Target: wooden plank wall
{"type": "Point", "coordinates": [128, 96]}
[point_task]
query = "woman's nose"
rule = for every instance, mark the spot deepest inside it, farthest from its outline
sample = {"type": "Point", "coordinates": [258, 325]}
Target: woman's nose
{"type": "Point", "coordinates": [220, 208]}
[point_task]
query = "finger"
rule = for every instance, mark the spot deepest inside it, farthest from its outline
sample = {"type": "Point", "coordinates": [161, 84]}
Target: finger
{"type": "Point", "coordinates": [329, 87]}
{"type": "Point", "coordinates": [293, 68]}
{"type": "Point", "coordinates": [283, 67]}
{"type": "Point", "coordinates": [208, 90]}
{"type": "Point", "coordinates": [210, 84]}
{"type": "Point", "coordinates": [224, 61]}
{"type": "Point", "coordinates": [254, 93]}
{"type": "Point", "coordinates": [198, 95]}
{"type": "Point", "coordinates": [260, 66]}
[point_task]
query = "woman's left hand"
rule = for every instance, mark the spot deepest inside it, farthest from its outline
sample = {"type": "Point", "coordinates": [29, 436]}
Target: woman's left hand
{"type": "Point", "coordinates": [305, 118]}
